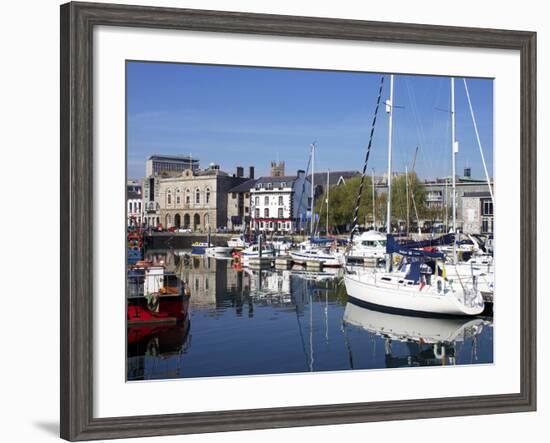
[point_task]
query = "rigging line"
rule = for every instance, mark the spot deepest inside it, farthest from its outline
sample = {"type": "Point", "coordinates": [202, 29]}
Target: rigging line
{"type": "Point", "coordinates": [367, 155]}
{"type": "Point", "coordinates": [479, 141]}
{"type": "Point", "coordinates": [419, 129]}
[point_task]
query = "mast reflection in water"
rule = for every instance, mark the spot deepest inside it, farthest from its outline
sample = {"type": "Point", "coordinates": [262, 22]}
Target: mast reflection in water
{"type": "Point", "coordinates": [244, 322]}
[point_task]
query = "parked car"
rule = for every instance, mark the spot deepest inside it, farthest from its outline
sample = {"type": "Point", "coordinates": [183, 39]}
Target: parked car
{"type": "Point", "coordinates": [184, 230]}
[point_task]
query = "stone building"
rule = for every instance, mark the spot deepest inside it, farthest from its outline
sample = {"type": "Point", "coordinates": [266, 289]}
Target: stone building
{"type": "Point", "coordinates": [438, 196]}
{"type": "Point", "coordinates": [477, 213]}
{"type": "Point", "coordinates": [158, 167]}
{"type": "Point", "coordinates": [169, 164]}
{"type": "Point", "coordinates": [196, 199]}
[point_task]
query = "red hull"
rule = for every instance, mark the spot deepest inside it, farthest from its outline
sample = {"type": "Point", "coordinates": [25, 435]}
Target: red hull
{"type": "Point", "coordinates": [170, 309]}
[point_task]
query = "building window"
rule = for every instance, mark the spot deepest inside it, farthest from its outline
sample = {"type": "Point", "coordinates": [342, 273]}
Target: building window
{"type": "Point", "coordinates": [487, 207]}
{"type": "Point", "coordinates": [266, 212]}
{"type": "Point", "coordinates": [257, 201]}
{"type": "Point", "coordinates": [270, 225]}
{"type": "Point", "coordinates": [197, 196]}
{"type": "Point", "coordinates": [266, 201]}
{"type": "Point", "coordinates": [139, 206]}
{"type": "Point", "coordinates": [281, 200]}
{"type": "Point", "coordinates": [187, 197]}
{"type": "Point", "coordinates": [261, 225]}
{"type": "Point", "coordinates": [280, 212]}
{"type": "Point", "coordinates": [257, 213]}
{"type": "Point", "coordinates": [178, 197]}
{"type": "Point", "coordinates": [169, 197]}
{"type": "Point", "coordinates": [269, 186]}
{"type": "Point", "coordinates": [233, 195]}
{"type": "Point", "coordinates": [246, 210]}
{"type": "Point", "coordinates": [207, 195]}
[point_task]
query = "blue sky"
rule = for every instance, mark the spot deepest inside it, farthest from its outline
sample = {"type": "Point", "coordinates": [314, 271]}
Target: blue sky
{"type": "Point", "coordinates": [241, 116]}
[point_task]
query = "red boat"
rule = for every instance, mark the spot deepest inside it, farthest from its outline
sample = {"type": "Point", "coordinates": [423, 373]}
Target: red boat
{"type": "Point", "coordinates": [154, 295]}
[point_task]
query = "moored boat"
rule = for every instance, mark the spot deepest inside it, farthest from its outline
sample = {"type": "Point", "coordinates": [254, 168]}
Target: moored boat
{"type": "Point", "coordinates": [327, 253]}
{"type": "Point", "coordinates": [418, 286]}
{"type": "Point", "coordinates": [154, 295]}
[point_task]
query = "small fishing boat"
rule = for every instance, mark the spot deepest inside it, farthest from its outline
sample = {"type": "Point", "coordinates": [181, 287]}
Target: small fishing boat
{"type": "Point", "coordinates": [154, 295]}
{"type": "Point", "coordinates": [418, 285]}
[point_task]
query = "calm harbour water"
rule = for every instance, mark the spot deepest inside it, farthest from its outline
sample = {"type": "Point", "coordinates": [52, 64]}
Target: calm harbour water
{"type": "Point", "coordinates": [244, 322]}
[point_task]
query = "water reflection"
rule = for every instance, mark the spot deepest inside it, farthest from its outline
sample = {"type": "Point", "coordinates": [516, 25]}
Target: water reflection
{"type": "Point", "coordinates": [244, 322]}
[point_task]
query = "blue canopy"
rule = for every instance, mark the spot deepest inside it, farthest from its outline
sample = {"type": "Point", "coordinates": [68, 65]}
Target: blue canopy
{"type": "Point", "coordinates": [392, 247]}
{"type": "Point", "coordinates": [446, 239]}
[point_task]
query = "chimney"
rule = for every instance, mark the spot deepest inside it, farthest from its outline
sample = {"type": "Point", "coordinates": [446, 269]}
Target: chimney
{"type": "Point", "coordinates": [240, 171]}
{"type": "Point", "coordinates": [251, 172]}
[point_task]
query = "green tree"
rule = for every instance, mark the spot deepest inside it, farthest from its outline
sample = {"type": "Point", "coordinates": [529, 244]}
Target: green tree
{"type": "Point", "coordinates": [342, 201]}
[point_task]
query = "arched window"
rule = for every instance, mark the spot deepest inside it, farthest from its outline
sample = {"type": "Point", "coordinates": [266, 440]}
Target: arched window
{"type": "Point", "coordinates": [207, 195]}
{"type": "Point", "coordinates": [187, 197]}
{"type": "Point", "coordinates": [266, 212]}
{"type": "Point", "coordinates": [169, 197]}
{"type": "Point", "coordinates": [197, 196]}
{"type": "Point", "coordinates": [266, 200]}
{"type": "Point", "coordinates": [178, 196]}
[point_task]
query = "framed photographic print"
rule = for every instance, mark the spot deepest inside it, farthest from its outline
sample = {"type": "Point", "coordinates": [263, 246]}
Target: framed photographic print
{"type": "Point", "coordinates": [292, 221]}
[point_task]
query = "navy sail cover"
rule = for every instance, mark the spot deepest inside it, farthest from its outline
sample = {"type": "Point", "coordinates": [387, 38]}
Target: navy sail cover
{"type": "Point", "coordinates": [392, 247]}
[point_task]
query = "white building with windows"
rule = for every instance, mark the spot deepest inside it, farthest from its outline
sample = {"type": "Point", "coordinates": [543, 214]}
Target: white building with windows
{"type": "Point", "coordinates": [134, 213]}
{"type": "Point", "coordinates": [280, 204]}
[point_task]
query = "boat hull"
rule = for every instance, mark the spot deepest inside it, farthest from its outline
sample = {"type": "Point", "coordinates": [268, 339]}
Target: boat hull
{"type": "Point", "coordinates": [407, 301]}
{"type": "Point", "coordinates": [302, 258]}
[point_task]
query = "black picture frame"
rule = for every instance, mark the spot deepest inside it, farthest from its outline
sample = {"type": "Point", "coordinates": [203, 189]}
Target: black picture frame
{"type": "Point", "coordinates": [77, 23]}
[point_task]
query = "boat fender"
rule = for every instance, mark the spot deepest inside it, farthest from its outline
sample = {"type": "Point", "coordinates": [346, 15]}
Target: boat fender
{"type": "Point", "coordinates": [440, 355]}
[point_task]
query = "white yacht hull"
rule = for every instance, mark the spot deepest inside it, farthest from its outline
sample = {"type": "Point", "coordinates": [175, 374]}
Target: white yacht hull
{"type": "Point", "coordinates": [326, 259]}
{"type": "Point", "coordinates": [400, 298]}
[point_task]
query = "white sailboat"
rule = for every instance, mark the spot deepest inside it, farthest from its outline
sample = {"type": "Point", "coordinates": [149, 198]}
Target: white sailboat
{"type": "Point", "coordinates": [324, 251]}
{"type": "Point", "coordinates": [418, 284]}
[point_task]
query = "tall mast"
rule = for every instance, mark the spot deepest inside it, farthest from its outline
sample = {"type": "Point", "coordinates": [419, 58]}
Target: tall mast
{"type": "Point", "coordinates": [328, 187]}
{"type": "Point", "coordinates": [312, 188]}
{"type": "Point", "coordinates": [407, 195]}
{"type": "Point", "coordinates": [454, 149]}
{"type": "Point", "coordinates": [373, 203]}
{"type": "Point", "coordinates": [389, 110]}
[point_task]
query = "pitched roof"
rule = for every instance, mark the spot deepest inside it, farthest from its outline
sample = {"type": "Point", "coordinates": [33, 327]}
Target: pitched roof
{"type": "Point", "coordinates": [284, 179]}
{"type": "Point", "coordinates": [243, 187]}
{"type": "Point", "coordinates": [334, 177]}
